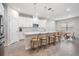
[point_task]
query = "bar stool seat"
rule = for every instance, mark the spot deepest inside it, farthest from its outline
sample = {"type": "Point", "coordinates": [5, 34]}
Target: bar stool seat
{"type": "Point", "coordinates": [34, 39]}
{"type": "Point", "coordinates": [57, 35]}
{"type": "Point", "coordinates": [44, 38]}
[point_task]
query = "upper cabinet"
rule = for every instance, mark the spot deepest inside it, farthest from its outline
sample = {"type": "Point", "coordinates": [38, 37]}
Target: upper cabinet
{"type": "Point", "coordinates": [1, 9]}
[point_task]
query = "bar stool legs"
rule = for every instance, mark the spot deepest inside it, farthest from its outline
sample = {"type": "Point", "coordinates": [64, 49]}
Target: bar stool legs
{"type": "Point", "coordinates": [35, 42]}
{"type": "Point", "coordinates": [44, 43]}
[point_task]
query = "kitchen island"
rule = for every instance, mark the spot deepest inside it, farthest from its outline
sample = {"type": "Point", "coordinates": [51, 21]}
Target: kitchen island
{"type": "Point", "coordinates": [28, 37]}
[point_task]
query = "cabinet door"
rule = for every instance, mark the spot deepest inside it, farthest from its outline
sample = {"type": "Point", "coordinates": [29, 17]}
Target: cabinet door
{"type": "Point", "coordinates": [1, 26]}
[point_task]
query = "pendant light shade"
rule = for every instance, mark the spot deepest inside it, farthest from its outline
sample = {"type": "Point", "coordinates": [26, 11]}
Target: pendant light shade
{"type": "Point", "coordinates": [35, 15]}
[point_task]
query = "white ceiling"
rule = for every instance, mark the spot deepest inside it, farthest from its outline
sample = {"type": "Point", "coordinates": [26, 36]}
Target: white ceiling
{"type": "Point", "coordinates": [60, 9]}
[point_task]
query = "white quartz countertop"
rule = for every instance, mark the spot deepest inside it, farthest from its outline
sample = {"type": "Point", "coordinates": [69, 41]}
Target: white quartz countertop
{"type": "Point", "coordinates": [33, 33]}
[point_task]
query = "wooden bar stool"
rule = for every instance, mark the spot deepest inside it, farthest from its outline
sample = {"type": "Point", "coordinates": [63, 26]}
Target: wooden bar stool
{"type": "Point", "coordinates": [52, 38]}
{"type": "Point", "coordinates": [73, 35]}
{"type": "Point", "coordinates": [44, 40]}
{"type": "Point", "coordinates": [67, 35]}
{"type": "Point", "coordinates": [58, 36]}
{"type": "Point", "coordinates": [35, 42]}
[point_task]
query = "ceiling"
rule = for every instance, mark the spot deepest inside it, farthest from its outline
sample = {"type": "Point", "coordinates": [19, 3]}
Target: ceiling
{"type": "Point", "coordinates": [58, 10]}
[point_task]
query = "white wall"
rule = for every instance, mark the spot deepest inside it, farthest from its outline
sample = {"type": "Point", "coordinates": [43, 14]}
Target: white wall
{"type": "Point", "coordinates": [50, 26]}
{"type": "Point", "coordinates": [42, 23]}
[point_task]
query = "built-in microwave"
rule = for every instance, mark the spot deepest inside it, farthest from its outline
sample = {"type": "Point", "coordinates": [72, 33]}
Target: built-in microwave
{"type": "Point", "coordinates": [35, 25]}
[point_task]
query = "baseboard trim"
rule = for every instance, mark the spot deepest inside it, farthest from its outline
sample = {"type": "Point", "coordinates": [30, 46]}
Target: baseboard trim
{"type": "Point", "coordinates": [13, 42]}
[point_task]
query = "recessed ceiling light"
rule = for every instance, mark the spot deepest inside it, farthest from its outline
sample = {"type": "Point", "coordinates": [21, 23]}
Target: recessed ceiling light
{"type": "Point", "coordinates": [18, 9]}
{"type": "Point", "coordinates": [53, 21]}
{"type": "Point", "coordinates": [45, 7]}
{"type": "Point", "coordinates": [68, 9]}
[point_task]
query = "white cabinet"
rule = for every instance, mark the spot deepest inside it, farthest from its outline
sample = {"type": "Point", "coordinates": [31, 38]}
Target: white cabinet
{"type": "Point", "coordinates": [1, 9]}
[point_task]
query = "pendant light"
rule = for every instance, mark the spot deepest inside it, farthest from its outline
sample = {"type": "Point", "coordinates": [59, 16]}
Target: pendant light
{"type": "Point", "coordinates": [35, 15]}
{"type": "Point", "coordinates": [50, 14]}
